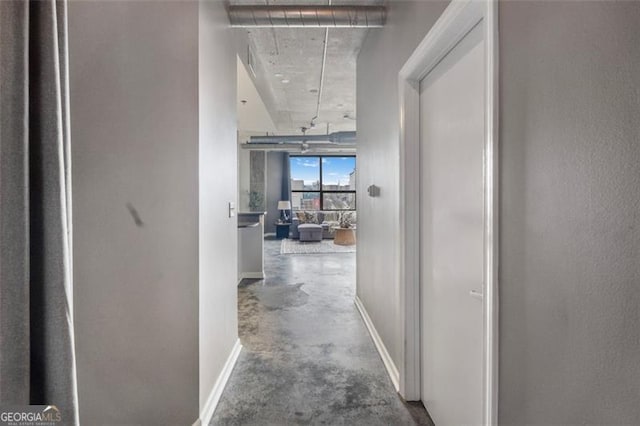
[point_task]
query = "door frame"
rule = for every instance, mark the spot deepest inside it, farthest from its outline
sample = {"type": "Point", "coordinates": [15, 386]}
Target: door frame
{"type": "Point", "coordinates": [453, 25]}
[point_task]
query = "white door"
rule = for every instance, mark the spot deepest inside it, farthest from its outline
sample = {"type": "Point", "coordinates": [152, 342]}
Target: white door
{"type": "Point", "coordinates": [452, 108]}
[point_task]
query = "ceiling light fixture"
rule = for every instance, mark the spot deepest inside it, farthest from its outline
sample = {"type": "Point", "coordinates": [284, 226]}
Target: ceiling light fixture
{"type": "Point", "coordinates": [285, 81]}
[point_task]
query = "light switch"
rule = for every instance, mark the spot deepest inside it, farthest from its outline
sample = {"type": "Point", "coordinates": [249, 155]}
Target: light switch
{"type": "Point", "coordinates": [232, 209]}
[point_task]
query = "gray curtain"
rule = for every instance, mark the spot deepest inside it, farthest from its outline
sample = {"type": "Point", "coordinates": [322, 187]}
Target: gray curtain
{"type": "Point", "coordinates": [286, 180]}
{"type": "Point", "coordinates": [286, 177]}
{"type": "Point", "coordinates": [37, 361]}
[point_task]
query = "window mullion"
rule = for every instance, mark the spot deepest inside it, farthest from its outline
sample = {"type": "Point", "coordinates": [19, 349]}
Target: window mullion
{"type": "Point", "coordinates": [321, 185]}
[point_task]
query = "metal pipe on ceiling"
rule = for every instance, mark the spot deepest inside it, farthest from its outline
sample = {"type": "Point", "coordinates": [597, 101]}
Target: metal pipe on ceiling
{"type": "Point", "coordinates": [338, 138]}
{"type": "Point", "coordinates": [324, 62]}
{"type": "Point", "coordinates": [301, 147]}
{"type": "Point", "coordinates": [307, 16]}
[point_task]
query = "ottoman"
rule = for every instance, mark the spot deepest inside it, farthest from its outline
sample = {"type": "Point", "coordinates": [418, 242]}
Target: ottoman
{"type": "Point", "coordinates": [310, 232]}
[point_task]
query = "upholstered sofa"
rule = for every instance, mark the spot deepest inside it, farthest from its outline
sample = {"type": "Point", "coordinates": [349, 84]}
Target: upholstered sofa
{"type": "Point", "coordinates": [327, 219]}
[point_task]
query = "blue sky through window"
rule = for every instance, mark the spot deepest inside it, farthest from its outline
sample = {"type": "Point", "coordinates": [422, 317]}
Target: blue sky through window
{"type": "Point", "coordinates": [305, 168]}
{"type": "Point", "coordinates": [335, 169]}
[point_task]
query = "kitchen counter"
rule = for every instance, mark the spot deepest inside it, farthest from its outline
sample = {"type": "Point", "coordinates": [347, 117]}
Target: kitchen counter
{"type": "Point", "coordinates": [250, 245]}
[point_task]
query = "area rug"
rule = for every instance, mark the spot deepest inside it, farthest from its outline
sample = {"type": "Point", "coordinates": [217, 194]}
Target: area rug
{"type": "Point", "coordinates": [316, 247]}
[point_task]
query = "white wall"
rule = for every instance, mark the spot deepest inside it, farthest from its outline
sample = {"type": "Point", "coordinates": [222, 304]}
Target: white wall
{"type": "Point", "coordinates": [134, 132]}
{"type": "Point", "coordinates": [218, 186]}
{"type": "Point", "coordinates": [570, 229]}
{"type": "Point", "coordinates": [383, 54]}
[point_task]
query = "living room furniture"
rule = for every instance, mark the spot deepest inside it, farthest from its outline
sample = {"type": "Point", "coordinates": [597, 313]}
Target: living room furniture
{"type": "Point", "coordinates": [310, 232]}
{"type": "Point", "coordinates": [282, 230]}
{"type": "Point", "coordinates": [284, 206]}
{"type": "Point", "coordinates": [344, 236]}
{"type": "Point", "coordinates": [326, 219]}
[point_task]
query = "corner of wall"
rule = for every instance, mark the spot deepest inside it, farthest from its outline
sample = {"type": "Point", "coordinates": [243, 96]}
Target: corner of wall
{"type": "Point", "coordinates": [215, 394]}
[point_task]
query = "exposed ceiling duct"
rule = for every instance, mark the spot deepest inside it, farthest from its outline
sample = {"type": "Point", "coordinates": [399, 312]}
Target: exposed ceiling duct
{"type": "Point", "coordinates": [333, 142]}
{"type": "Point", "coordinates": [336, 137]}
{"type": "Point", "coordinates": [307, 16]}
{"type": "Point", "coordinates": [302, 147]}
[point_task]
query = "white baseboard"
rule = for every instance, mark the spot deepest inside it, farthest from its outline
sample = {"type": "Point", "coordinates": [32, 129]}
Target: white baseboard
{"type": "Point", "coordinates": [251, 275]}
{"type": "Point", "coordinates": [216, 392]}
{"type": "Point", "coordinates": [392, 370]}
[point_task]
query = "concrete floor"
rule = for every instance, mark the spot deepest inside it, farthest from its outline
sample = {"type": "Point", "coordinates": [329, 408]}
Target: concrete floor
{"type": "Point", "coordinates": [307, 356]}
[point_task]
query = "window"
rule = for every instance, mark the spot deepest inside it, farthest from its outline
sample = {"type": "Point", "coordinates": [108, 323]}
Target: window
{"type": "Point", "coordinates": [323, 182]}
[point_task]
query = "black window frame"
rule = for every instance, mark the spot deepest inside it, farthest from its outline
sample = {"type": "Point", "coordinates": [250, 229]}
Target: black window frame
{"type": "Point", "coordinates": [321, 191]}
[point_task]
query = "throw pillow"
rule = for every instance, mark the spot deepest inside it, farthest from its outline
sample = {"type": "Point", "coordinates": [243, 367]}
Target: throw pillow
{"type": "Point", "coordinates": [301, 216]}
{"type": "Point", "coordinates": [310, 217]}
{"type": "Point", "coordinates": [348, 219]}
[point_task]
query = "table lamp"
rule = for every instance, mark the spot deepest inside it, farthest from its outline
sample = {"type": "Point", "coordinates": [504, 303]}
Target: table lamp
{"type": "Point", "coordinates": [284, 206]}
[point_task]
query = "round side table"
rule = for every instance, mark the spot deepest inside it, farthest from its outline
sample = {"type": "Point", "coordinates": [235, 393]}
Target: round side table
{"type": "Point", "coordinates": [345, 236]}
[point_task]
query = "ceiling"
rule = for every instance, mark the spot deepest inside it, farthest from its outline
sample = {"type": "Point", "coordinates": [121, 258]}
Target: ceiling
{"type": "Point", "coordinates": [291, 60]}
{"type": "Point", "coordinates": [253, 114]}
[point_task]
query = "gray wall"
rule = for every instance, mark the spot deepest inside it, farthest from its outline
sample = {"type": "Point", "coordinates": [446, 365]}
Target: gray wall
{"type": "Point", "coordinates": [570, 231]}
{"type": "Point", "coordinates": [570, 199]}
{"type": "Point", "coordinates": [382, 55]}
{"type": "Point", "coordinates": [273, 190]}
{"type": "Point", "coordinates": [155, 304]}
{"type": "Point", "coordinates": [257, 180]}
{"type": "Point", "coordinates": [218, 186]}
{"type": "Point", "coordinates": [134, 108]}
{"type": "Point", "coordinates": [244, 168]}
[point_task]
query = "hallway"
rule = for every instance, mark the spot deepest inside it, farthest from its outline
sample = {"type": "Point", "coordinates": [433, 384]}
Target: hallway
{"type": "Point", "coordinates": [307, 357]}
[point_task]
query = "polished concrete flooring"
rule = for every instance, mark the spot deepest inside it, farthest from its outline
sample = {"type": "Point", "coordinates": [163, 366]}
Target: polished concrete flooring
{"type": "Point", "coordinates": [307, 357]}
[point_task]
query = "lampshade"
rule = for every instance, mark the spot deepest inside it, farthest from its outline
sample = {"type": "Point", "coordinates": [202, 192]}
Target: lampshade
{"type": "Point", "coordinates": [284, 205]}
